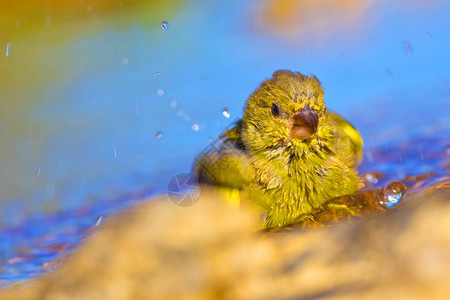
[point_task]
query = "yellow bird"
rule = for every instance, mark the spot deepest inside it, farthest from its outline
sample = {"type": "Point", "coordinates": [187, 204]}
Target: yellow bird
{"type": "Point", "coordinates": [288, 155]}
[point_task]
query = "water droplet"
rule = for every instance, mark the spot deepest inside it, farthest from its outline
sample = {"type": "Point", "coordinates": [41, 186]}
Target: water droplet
{"type": "Point", "coordinates": [89, 8]}
{"type": "Point", "coordinates": [388, 73]}
{"type": "Point", "coordinates": [429, 37]}
{"type": "Point", "coordinates": [158, 134]}
{"type": "Point", "coordinates": [160, 92]}
{"type": "Point", "coordinates": [369, 178]}
{"type": "Point", "coordinates": [115, 152]}
{"type": "Point", "coordinates": [99, 221]}
{"type": "Point", "coordinates": [8, 49]}
{"type": "Point", "coordinates": [407, 47]}
{"type": "Point", "coordinates": [373, 177]}
{"type": "Point", "coordinates": [39, 172]}
{"type": "Point", "coordinates": [164, 25]}
{"type": "Point", "coordinates": [393, 193]}
{"type": "Point", "coordinates": [156, 73]}
{"type": "Point", "coordinates": [195, 127]}
{"type": "Point", "coordinates": [125, 60]}
{"type": "Point", "coordinates": [225, 112]}
{"type": "Point", "coordinates": [173, 104]}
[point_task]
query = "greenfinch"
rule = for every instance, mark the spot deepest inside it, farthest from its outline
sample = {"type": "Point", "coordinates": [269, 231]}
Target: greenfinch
{"type": "Point", "coordinates": [288, 155]}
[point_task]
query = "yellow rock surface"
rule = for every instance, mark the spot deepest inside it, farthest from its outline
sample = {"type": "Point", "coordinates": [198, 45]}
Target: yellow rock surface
{"type": "Point", "coordinates": [209, 251]}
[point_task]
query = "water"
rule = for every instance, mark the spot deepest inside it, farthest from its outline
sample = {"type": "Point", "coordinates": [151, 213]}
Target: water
{"type": "Point", "coordinates": [99, 221]}
{"type": "Point", "coordinates": [85, 90]}
{"type": "Point", "coordinates": [164, 25]}
{"type": "Point", "coordinates": [225, 112]}
{"type": "Point", "coordinates": [8, 49]}
{"type": "Point", "coordinates": [393, 194]}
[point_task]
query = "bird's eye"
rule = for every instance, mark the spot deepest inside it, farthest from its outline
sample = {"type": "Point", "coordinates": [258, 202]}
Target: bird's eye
{"type": "Point", "coordinates": [275, 110]}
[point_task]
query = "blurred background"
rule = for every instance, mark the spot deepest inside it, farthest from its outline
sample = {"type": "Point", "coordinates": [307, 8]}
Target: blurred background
{"type": "Point", "coordinates": [103, 102]}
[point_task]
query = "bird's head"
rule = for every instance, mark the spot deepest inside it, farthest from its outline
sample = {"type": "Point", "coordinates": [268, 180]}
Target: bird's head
{"type": "Point", "coordinates": [286, 112]}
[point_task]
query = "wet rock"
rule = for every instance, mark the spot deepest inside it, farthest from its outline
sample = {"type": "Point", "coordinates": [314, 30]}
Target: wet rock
{"type": "Point", "coordinates": [208, 250]}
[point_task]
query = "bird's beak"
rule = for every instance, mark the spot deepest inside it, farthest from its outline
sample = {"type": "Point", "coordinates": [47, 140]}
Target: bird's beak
{"type": "Point", "coordinates": [303, 123]}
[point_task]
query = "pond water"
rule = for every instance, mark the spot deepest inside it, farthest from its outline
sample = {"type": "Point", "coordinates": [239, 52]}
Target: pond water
{"type": "Point", "coordinates": [104, 102]}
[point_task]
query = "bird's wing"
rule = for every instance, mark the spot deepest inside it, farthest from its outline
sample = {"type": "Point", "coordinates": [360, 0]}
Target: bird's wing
{"type": "Point", "coordinates": [348, 139]}
{"type": "Point", "coordinates": [225, 162]}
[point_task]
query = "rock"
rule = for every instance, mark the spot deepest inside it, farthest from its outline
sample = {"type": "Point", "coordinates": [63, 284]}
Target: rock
{"type": "Point", "coordinates": [209, 250]}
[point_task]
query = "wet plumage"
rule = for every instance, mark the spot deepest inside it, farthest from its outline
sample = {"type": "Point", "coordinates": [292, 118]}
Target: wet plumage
{"type": "Point", "coordinates": [288, 154]}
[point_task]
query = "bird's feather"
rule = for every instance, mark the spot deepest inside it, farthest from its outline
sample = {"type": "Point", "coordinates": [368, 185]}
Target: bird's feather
{"type": "Point", "coordinates": [288, 155]}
